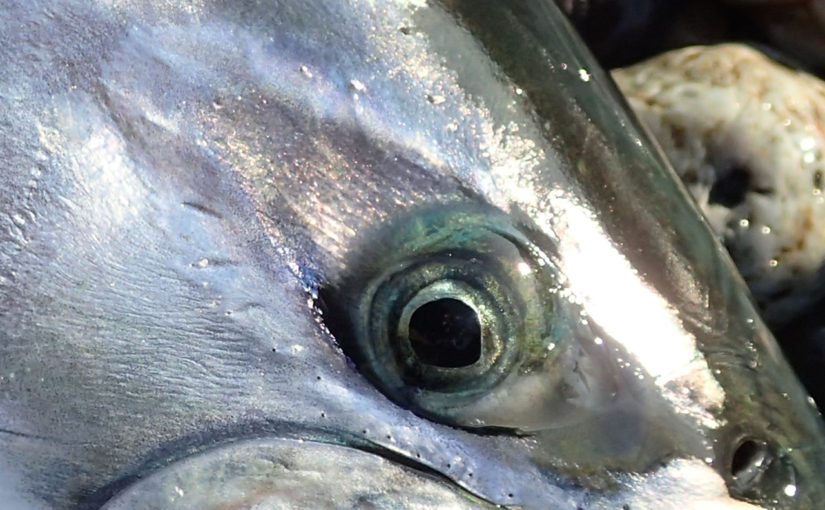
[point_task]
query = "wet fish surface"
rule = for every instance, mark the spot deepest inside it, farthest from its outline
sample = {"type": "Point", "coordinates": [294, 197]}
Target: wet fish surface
{"type": "Point", "coordinates": [422, 242]}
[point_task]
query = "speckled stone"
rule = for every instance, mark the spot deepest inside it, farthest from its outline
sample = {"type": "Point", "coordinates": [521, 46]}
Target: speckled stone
{"type": "Point", "coordinates": [746, 135]}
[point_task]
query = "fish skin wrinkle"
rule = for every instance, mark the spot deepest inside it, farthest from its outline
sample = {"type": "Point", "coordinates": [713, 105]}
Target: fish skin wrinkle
{"type": "Point", "coordinates": [193, 192]}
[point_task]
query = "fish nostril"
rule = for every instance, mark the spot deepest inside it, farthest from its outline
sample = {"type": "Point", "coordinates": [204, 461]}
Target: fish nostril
{"type": "Point", "coordinates": [446, 333]}
{"type": "Point", "coordinates": [750, 459]}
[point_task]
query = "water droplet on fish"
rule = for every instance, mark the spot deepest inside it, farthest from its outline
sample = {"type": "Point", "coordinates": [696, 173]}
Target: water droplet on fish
{"type": "Point", "coordinates": [790, 490]}
{"type": "Point", "coordinates": [305, 71]}
{"type": "Point", "coordinates": [584, 75]}
{"type": "Point", "coordinates": [357, 86]}
{"type": "Point", "coordinates": [744, 223]}
{"type": "Point", "coordinates": [766, 229]}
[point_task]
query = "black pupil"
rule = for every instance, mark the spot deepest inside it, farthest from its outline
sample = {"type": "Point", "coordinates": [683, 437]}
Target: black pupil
{"type": "Point", "coordinates": [446, 333]}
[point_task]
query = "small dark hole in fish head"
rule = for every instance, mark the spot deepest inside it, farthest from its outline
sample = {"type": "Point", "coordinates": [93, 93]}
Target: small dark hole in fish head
{"type": "Point", "coordinates": [750, 460]}
{"type": "Point", "coordinates": [446, 333]}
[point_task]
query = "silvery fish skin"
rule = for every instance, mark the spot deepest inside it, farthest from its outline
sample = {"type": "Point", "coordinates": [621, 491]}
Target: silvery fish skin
{"type": "Point", "coordinates": [202, 204]}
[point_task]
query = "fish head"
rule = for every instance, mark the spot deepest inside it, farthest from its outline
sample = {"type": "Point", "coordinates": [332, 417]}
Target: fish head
{"type": "Point", "coordinates": [400, 254]}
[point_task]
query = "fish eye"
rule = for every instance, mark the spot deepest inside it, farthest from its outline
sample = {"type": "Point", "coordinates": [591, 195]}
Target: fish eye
{"type": "Point", "coordinates": [446, 321]}
{"type": "Point", "coordinates": [447, 309]}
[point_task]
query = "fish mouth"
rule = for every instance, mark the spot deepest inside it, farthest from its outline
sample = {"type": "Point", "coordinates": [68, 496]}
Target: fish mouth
{"type": "Point", "coordinates": [282, 472]}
